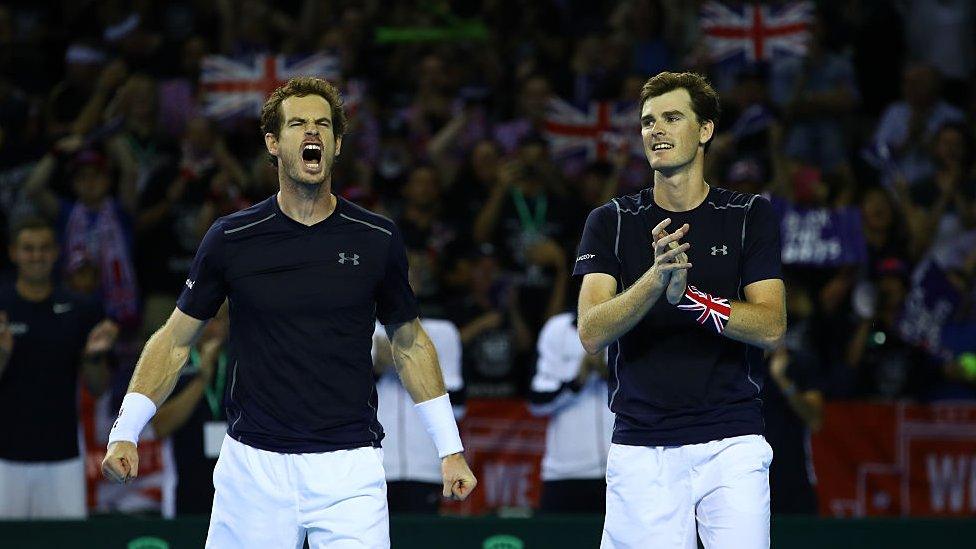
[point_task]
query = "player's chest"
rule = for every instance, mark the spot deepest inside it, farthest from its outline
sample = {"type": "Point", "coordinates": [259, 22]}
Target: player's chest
{"type": "Point", "coordinates": [306, 273]}
{"type": "Point", "coordinates": [715, 253]}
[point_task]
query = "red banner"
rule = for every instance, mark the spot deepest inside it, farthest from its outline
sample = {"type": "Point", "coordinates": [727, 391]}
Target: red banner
{"type": "Point", "coordinates": [896, 460]}
{"type": "Point", "coordinates": [504, 444]}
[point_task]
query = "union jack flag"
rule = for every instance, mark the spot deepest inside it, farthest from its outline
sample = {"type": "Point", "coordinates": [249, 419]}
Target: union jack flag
{"type": "Point", "coordinates": [240, 86]}
{"type": "Point", "coordinates": [756, 32]}
{"type": "Point", "coordinates": [594, 132]}
{"type": "Point", "coordinates": [716, 309]}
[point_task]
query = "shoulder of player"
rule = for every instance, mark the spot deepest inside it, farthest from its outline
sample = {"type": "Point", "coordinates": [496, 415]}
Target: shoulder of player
{"type": "Point", "coordinates": [243, 219]}
{"type": "Point", "coordinates": [631, 203]}
{"type": "Point", "coordinates": [726, 199]}
{"type": "Point", "coordinates": [354, 213]}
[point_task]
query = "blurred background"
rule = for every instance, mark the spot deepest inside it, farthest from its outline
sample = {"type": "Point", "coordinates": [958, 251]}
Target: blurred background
{"type": "Point", "coordinates": [487, 131]}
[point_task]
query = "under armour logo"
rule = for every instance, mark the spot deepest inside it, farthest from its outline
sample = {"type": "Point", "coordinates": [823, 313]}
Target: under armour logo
{"type": "Point", "coordinates": [190, 283]}
{"type": "Point", "coordinates": [724, 250]}
{"type": "Point", "coordinates": [343, 258]}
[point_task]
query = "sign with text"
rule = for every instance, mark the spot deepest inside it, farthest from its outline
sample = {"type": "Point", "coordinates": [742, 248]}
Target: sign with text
{"type": "Point", "coordinates": [504, 444]}
{"type": "Point", "coordinates": [896, 460]}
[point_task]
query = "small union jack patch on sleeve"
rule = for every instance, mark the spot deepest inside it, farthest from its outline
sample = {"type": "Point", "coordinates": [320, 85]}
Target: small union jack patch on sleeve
{"type": "Point", "coordinates": [707, 307]}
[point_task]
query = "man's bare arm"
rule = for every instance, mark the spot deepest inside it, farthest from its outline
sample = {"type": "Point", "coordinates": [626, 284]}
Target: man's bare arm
{"type": "Point", "coordinates": [761, 319]}
{"type": "Point", "coordinates": [416, 361]}
{"type": "Point", "coordinates": [164, 355]}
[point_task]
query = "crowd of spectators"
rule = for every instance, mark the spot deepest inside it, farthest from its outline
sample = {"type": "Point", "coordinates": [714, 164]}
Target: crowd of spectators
{"type": "Point", "coordinates": [864, 144]}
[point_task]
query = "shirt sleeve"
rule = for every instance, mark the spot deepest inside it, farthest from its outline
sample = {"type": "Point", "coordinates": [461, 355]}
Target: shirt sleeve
{"type": "Point", "coordinates": [597, 248]}
{"type": "Point", "coordinates": [206, 288]}
{"type": "Point", "coordinates": [761, 249]}
{"type": "Point", "coordinates": [395, 301]}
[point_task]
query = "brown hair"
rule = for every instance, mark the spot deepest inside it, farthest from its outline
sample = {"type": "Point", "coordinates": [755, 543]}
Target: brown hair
{"type": "Point", "coordinates": [301, 86]}
{"type": "Point", "coordinates": [30, 223]}
{"type": "Point", "coordinates": [704, 99]}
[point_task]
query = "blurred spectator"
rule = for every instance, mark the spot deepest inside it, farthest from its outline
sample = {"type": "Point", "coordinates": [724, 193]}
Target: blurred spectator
{"type": "Point", "coordinates": [177, 206]}
{"type": "Point", "coordinates": [793, 405]}
{"type": "Point", "coordinates": [907, 128]}
{"type": "Point", "coordinates": [427, 237]}
{"type": "Point", "coordinates": [49, 337]}
{"type": "Point", "coordinates": [493, 332]}
{"type": "Point", "coordinates": [570, 386]}
{"type": "Point", "coordinates": [96, 224]}
{"type": "Point", "coordinates": [533, 98]}
{"type": "Point", "coordinates": [940, 33]}
{"type": "Point", "coordinates": [141, 147]}
{"type": "Point", "coordinates": [525, 217]}
{"type": "Point", "coordinates": [178, 96]}
{"type": "Point", "coordinates": [815, 93]}
{"type": "Point", "coordinates": [883, 363]}
{"type": "Point", "coordinates": [944, 204]}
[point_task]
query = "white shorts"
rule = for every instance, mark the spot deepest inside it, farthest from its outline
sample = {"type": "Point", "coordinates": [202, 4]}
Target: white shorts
{"type": "Point", "coordinates": [42, 489]}
{"type": "Point", "coordinates": [655, 494]}
{"type": "Point", "coordinates": [269, 500]}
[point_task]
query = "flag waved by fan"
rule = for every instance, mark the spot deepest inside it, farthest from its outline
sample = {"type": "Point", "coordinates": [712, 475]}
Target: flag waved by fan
{"type": "Point", "coordinates": [595, 132]}
{"type": "Point", "coordinates": [756, 32]}
{"type": "Point", "coordinates": [239, 86]}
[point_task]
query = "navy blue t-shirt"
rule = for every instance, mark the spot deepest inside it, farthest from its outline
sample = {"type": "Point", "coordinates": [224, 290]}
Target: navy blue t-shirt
{"type": "Point", "coordinates": [39, 386]}
{"type": "Point", "coordinates": [303, 303]}
{"type": "Point", "coordinates": [673, 381]}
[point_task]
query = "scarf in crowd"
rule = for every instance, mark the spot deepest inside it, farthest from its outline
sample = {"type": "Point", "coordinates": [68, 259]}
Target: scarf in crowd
{"type": "Point", "coordinates": [103, 242]}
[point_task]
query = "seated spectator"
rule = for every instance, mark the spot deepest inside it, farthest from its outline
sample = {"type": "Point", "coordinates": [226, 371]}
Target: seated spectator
{"type": "Point", "coordinates": [570, 386]}
{"type": "Point", "coordinates": [48, 336]}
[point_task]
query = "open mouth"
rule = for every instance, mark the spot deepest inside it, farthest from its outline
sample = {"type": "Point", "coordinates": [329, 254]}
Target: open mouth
{"type": "Point", "coordinates": [662, 146]}
{"type": "Point", "coordinates": [312, 156]}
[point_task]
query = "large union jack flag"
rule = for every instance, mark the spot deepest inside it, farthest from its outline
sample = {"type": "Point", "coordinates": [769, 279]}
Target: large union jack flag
{"type": "Point", "coordinates": [594, 132]}
{"type": "Point", "coordinates": [756, 32]}
{"type": "Point", "coordinates": [239, 86]}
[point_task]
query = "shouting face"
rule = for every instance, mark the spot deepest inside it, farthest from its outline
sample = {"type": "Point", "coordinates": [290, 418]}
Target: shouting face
{"type": "Point", "coordinates": [306, 146]}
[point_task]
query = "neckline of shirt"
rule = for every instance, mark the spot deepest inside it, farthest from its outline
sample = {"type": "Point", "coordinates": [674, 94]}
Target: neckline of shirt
{"type": "Point", "coordinates": [339, 208]}
{"type": "Point", "coordinates": [708, 195]}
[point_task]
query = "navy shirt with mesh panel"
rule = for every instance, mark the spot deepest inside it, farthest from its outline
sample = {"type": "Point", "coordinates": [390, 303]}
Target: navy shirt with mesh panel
{"type": "Point", "coordinates": [673, 381]}
{"type": "Point", "coordinates": [303, 302]}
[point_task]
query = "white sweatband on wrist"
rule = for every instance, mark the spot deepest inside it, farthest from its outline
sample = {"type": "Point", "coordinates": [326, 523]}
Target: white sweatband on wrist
{"type": "Point", "coordinates": [438, 418]}
{"type": "Point", "coordinates": [136, 411]}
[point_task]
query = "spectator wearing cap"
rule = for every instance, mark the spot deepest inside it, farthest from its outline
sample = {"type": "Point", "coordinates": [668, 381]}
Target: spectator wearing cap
{"type": "Point", "coordinates": [95, 223]}
{"type": "Point", "coordinates": [48, 336]}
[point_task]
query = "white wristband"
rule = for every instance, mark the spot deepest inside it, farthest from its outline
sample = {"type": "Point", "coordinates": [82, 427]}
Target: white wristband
{"type": "Point", "coordinates": [137, 409]}
{"type": "Point", "coordinates": [438, 418]}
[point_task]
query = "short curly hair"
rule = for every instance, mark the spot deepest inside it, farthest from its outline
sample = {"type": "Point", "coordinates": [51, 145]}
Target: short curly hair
{"type": "Point", "coordinates": [301, 86]}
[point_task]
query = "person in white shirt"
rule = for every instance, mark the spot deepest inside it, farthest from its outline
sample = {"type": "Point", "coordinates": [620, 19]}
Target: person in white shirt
{"type": "Point", "coordinates": [413, 470]}
{"type": "Point", "coordinates": [570, 386]}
